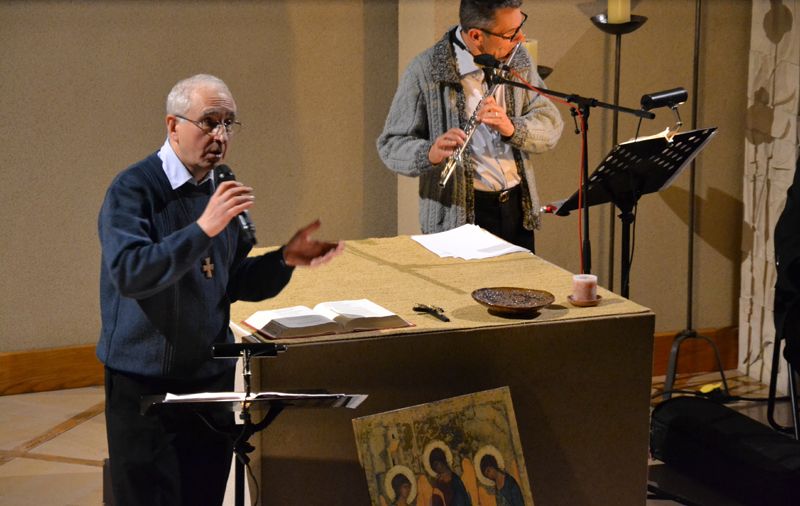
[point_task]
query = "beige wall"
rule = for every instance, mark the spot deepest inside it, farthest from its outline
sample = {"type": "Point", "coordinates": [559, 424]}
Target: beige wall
{"type": "Point", "coordinates": [84, 86]}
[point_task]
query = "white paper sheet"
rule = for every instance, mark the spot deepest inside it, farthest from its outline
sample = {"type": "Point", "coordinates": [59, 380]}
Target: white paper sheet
{"type": "Point", "coordinates": [469, 242]}
{"type": "Point", "coordinates": [337, 400]}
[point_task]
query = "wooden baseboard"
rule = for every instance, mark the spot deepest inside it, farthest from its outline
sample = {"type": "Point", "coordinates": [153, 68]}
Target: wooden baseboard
{"type": "Point", "coordinates": [51, 369]}
{"type": "Point", "coordinates": [695, 354]}
{"type": "Point", "coordinates": [77, 366]}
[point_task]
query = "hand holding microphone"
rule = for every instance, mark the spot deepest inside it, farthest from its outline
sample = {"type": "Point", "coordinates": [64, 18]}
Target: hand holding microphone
{"type": "Point", "coordinates": [223, 173]}
{"type": "Point", "coordinates": [230, 200]}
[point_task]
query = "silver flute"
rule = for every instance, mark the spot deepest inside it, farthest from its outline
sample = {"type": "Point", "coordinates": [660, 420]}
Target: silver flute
{"type": "Point", "coordinates": [457, 157]}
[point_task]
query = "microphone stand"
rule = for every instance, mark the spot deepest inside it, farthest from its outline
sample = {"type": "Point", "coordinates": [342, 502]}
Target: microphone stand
{"type": "Point", "coordinates": [584, 106]}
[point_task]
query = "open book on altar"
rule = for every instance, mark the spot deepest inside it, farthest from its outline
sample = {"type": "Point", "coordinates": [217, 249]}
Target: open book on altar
{"type": "Point", "coordinates": [325, 318]}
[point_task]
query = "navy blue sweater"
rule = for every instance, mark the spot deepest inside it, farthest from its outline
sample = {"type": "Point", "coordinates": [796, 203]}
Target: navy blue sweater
{"type": "Point", "coordinates": [160, 312]}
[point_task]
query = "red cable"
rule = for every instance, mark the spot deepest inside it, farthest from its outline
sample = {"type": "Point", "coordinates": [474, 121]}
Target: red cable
{"type": "Point", "coordinates": [583, 155]}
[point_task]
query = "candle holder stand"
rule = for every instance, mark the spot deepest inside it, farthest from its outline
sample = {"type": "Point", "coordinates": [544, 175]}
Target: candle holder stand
{"type": "Point", "coordinates": [689, 332]}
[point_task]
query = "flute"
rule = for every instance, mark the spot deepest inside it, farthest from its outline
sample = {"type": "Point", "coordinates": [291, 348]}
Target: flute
{"type": "Point", "coordinates": [457, 156]}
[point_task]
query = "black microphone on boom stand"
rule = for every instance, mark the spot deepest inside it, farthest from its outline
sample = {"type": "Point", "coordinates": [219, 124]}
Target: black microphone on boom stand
{"type": "Point", "coordinates": [491, 67]}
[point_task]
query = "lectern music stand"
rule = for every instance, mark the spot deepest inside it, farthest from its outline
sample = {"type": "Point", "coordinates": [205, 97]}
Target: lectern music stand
{"type": "Point", "coordinates": [274, 402]}
{"type": "Point", "coordinates": [633, 169]}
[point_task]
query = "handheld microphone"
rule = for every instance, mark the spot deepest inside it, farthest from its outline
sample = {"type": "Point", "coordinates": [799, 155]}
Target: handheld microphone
{"type": "Point", "coordinates": [224, 173]}
{"type": "Point", "coordinates": [667, 98]}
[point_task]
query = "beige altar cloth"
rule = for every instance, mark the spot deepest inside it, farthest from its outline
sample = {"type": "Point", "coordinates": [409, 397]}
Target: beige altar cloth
{"type": "Point", "coordinates": [397, 272]}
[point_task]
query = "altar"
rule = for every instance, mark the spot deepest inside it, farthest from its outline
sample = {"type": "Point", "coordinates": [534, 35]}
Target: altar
{"type": "Point", "coordinates": [579, 377]}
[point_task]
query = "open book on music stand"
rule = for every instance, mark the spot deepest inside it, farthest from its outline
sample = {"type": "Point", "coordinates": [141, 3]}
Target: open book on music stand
{"type": "Point", "coordinates": [273, 402]}
{"type": "Point", "coordinates": [636, 168]}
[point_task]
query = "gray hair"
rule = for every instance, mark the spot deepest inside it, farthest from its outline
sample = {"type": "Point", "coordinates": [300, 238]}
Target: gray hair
{"type": "Point", "coordinates": [480, 13]}
{"type": "Point", "coordinates": [179, 99]}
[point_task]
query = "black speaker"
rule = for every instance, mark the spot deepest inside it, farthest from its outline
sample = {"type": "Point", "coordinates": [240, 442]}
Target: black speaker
{"type": "Point", "coordinates": [726, 450]}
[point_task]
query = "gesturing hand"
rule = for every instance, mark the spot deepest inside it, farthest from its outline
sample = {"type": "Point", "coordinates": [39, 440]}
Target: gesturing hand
{"type": "Point", "coordinates": [302, 250]}
{"type": "Point", "coordinates": [445, 145]}
{"type": "Point", "coordinates": [229, 200]}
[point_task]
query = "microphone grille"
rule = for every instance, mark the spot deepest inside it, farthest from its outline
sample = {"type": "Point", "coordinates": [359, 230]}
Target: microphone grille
{"type": "Point", "coordinates": [224, 173]}
{"type": "Point", "coordinates": [486, 60]}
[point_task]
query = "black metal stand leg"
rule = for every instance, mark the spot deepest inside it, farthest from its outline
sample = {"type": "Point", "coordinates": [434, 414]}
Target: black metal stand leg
{"type": "Point", "coordinates": [586, 247]}
{"type": "Point", "coordinates": [239, 481]}
{"type": "Point", "coordinates": [793, 401]}
{"type": "Point", "coordinates": [772, 396]}
{"type": "Point", "coordinates": [672, 366]}
{"type": "Point", "coordinates": [773, 390]}
{"type": "Point", "coordinates": [242, 446]}
{"type": "Point", "coordinates": [626, 217]}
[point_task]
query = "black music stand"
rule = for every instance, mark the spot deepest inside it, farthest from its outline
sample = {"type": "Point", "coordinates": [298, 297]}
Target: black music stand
{"type": "Point", "coordinates": [633, 169]}
{"type": "Point", "coordinates": [582, 108]}
{"type": "Point", "coordinates": [274, 402]}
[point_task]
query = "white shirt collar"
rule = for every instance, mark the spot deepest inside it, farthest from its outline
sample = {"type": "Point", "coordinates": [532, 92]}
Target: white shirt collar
{"type": "Point", "coordinates": [465, 60]}
{"type": "Point", "coordinates": [176, 172]}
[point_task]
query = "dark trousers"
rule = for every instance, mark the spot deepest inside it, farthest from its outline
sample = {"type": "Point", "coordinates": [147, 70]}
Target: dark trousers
{"type": "Point", "coordinates": [171, 457]}
{"type": "Point", "coordinates": [501, 214]}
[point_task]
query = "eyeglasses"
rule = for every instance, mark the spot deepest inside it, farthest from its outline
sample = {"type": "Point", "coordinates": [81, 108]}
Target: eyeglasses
{"type": "Point", "coordinates": [210, 126]}
{"type": "Point", "coordinates": [513, 35]}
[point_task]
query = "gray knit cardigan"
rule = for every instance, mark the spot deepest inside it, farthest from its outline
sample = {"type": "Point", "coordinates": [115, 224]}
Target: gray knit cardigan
{"type": "Point", "coordinates": [428, 102]}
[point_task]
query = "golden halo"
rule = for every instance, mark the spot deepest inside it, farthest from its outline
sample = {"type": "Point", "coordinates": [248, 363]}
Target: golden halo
{"type": "Point", "coordinates": [494, 452]}
{"type": "Point", "coordinates": [394, 471]}
{"type": "Point", "coordinates": [426, 455]}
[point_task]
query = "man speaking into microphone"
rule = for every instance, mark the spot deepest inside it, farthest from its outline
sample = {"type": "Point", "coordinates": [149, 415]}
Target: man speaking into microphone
{"type": "Point", "coordinates": [174, 257]}
{"type": "Point", "coordinates": [438, 93]}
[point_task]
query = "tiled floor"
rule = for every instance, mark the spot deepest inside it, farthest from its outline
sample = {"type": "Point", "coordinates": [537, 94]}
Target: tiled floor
{"type": "Point", "coordinates": [52, 446]}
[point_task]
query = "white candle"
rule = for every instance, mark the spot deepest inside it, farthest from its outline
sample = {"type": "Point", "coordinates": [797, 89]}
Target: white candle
{"type": "Point", "coordinates": [532, 46]}
{"type": "Point", "coordinates": [619, 11]}
{"type": "Point", "coordinates": [584, 287]}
